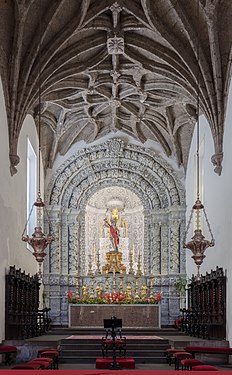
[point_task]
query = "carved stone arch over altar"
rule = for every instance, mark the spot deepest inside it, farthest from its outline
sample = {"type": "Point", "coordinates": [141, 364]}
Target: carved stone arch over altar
{"type": "Point", "coordinates": [113, 160]}
{"type": "Point", "coordinates": [125, 166]}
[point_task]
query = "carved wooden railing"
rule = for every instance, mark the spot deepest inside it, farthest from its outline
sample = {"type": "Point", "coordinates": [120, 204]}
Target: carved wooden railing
{"type": "Point", "coordinates": [206, 313]}
{"type": "Point", "coordinates": [23, 319]}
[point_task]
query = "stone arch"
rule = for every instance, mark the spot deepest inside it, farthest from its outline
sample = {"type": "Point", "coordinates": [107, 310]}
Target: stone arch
{"type": "Point", "coordinates": [114, 163]}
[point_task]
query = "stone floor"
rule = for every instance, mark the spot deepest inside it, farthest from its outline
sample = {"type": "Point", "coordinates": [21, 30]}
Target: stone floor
{"type": "Point", "coordinates": [179, 341]}
{"type": "Point", "coordinates": [74, 366]}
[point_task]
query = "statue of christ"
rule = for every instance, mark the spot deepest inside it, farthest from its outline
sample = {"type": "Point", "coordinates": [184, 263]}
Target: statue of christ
{"type": "Point", "coordinates": [114, 233]}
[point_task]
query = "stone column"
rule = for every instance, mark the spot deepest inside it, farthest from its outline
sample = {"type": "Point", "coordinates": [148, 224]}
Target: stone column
{"type": "Point", "coordinates": [182, 250]}
{"type": "Point", "coordinates": [64, 244]}
{"type": "Point", "coordinates": [71, 242]}
{"type": "Point", "coordinates": [156, 250]}
{"type": "Point", "coordinates": [174, 258]}
{"type": "Point", "coordinates": [164, 248]}
{"type": "Point", "coordinates": [147, 242]}
{"type": "Point", "coordinates": [52, 262]}
{"type": "Point", "coordinates": [83, 254]}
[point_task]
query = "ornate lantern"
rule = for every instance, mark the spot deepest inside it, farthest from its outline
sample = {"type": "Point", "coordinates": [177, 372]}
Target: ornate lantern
{"type": "Point", "coordinates": [198, 243]}
{"type": "Point", "coordinates": [38, 240]}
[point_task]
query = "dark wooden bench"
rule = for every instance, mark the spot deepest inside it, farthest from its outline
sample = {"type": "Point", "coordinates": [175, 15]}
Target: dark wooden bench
{"type": "Point", "coordinates": [7, 351]}
{"type": "Point", "coordinates": [207, 350]}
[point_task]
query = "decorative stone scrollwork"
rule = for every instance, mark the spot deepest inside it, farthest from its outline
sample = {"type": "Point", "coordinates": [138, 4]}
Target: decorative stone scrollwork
{"type": "Point", "coordinates": [164, 246]}
{"type": "Point", "coordinates": [124, 166]}
{"type": "Point", "coordinates": [175, 247]}
{"type": "Point", "coordinates": [131, 158]}
{"type": "Point", "coordinates": [155, 250]}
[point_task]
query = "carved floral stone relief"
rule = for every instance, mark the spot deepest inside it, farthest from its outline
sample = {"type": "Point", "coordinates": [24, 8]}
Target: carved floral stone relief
{"type": "Point", "coordinates": [117, 167]}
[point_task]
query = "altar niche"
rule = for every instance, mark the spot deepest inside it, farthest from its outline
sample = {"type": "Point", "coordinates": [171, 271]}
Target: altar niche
{"type": "Point", "coordinates": [152, 221]}
{"type": "Point", "coordinates": [114, 233]}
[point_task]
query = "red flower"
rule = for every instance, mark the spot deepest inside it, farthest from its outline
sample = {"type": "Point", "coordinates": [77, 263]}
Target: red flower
{"type": "Point", "coordinates": [70, 295]}
{"type": "Point", "coordinates": [158, 297]}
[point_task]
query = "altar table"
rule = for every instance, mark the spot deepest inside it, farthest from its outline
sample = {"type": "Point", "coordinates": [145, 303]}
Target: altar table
{"type": "Point", "coordinates": [140, 316]}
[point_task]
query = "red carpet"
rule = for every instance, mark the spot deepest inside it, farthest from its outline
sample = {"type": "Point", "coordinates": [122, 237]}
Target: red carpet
{"type": "Point", "coordinates": [110, 372]}
{"type": "Point", "coordinates": [105, 363]}
{"type": "Point", "coordinates": [132, 337]}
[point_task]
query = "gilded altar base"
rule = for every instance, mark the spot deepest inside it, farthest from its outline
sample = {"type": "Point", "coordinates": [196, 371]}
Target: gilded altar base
{"type": "Point", "coordinates": [113, 263]}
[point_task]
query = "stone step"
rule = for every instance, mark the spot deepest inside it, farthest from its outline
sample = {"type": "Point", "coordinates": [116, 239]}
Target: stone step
{"type": "Point", "coordinates": [130, 345]}
{"type": "Point", "coordinates": [97, 353]}
{"type": "Point", "coordinates": [81, 342]}
{"type": "Point", "coordinates": [87, 351]}
{"type": "Point", "coordinates": [125, 331]}
{"type": "Point", "coordinates": [92, 359]}
{"type": "Point", "coordinates": [144, 348]}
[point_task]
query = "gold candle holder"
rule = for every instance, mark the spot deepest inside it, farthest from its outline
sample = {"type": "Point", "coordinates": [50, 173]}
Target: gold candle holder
{"type": "Point", "coordinates": [121, 283]}
{"type": "Point", "coordinates": [98, 270]}
{"type": "Point", "coordinates": [107, 282]}
{"type": "Point", "coordinates": [114, 280]}
{"type": "Point", "coordinates": [90, 271]}
{"type": "Point", "coordinates": [131, 270]}
{"type": "Point", "coordinates": [139, 272]}
{"type": "Point", "coordinates": [92, 287]}
{"type": "Point", "coordinates": [77, 286]}
{"type": "Point", "coordinates": [136, 289]}
{"type": "Point", "coordinates": [151, 284]}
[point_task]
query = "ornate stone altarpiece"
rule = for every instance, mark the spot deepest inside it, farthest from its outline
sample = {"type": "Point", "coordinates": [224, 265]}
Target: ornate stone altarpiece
{"type": "Point", "coordinates": [161, 194]}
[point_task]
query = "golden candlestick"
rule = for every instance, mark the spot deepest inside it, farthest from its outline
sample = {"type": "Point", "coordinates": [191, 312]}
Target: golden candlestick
{"type": "Point", "coordinates": [114, 281]}
{"type": "Point", "coordinates": [101, 228]}
{"type": "Point", "coordinates": [92, 287]}
{"type": "Point", "coordinates": [90, 271]}
{"type": "Point", "coordinates": [98, 270]}
{"type": "Point", "coordinates": [143, 291]}
{"type": "Point", "coordinates": [151, 286]}
{"type": "Point", "coordinates": [107, 283]}
{"type": "Point", "coordinates": [139, 272]}
{"type": "Point", "coordinates": [85, 291]}
{"type": "Point", "coordinates": [105, 250]}
{"type": "Point", "coordinates": [136, 289]}
{"type": "Point", "coordinates": [126, 228]}
{"type": "Point", "coordinates": [77, 286]}
{"type": "Point", "coordinates": [131, 271]}
{"type": "Point", "coordinates": [121, 283]}
{"type": "Point", "coordinates": [94, 253]}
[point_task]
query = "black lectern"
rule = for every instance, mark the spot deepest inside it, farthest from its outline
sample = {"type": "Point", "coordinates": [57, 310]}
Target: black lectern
{"type": "Point", "coordinates": [113, 324]}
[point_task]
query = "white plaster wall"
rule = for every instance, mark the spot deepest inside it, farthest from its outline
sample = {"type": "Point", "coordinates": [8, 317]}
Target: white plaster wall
{"type": "Point", "coordinates": [13, 206]}
{"type": "Point", "coordinates": [218, 204]}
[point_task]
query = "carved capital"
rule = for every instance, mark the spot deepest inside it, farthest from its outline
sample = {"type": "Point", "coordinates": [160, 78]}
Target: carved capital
{"type": "Point", "coordinates": [216, 159]}
{"type": "Point", "coordinates": [14, 160]}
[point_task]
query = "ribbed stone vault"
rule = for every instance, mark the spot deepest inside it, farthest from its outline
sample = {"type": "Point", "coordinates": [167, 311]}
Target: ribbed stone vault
{"type": "Point", "coordinates": [129, 65]}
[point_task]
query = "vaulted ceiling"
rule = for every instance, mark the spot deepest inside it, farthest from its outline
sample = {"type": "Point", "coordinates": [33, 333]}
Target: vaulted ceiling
{"type": "Point", "coordinates": [106, 65]}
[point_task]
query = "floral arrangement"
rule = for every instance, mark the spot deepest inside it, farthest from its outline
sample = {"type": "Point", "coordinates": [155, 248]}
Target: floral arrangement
{"type": "Point", "coordinates": [117, 298]}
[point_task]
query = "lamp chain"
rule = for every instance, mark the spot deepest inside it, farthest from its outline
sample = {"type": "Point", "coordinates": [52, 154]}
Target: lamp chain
{"type": "Point", "coordinates": [39, 113]}
{"type": "Point", "coordinates": [188, 226]}
{"type": "Point", "coordinates": [207, 222]}
{"type": "Point", "coordinates": [198, 103]}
